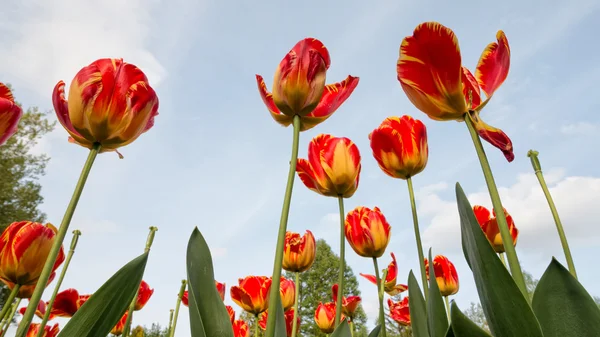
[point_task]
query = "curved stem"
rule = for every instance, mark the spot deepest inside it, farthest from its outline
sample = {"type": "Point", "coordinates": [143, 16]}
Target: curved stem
{"type": "Point", "coordinates": [380, 295]}
{"type": "Point", "coordinates": [76, 234]}
{"type": "Point", "coordinates": [511, 253]}
{"type": "Point", "coordinates": [447, 307]}
{"type": "Point", "coordinates": [340, 293]}
{"type": "Point", "coordinates": [10, 317]}
{"type": "Point", "coordinates": [559, 227]}
{"type": "Point", "coordinates": [8, 303]}
{"type": "Point", "coordinates": [179, 296]}
{"type": "Point", "coordinates": [283, 227]}
{"type": "Point", "coordinates": [56, 246]}
{"type": "Point", "coordinates": [413, 206]}
{"type": "Point", "coordinates": [295, 321]}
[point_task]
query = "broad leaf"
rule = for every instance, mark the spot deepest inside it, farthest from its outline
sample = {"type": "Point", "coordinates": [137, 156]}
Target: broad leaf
{"type": "Point", "coordinates": [506, 309]}
{"type": "Point", "coordinates": [416, 303]}
{"type": "Point", "coordinates": [208, 316]}
{"type": "Point", "coordinates": [375, 332]}
{"type": "Point", "coordinates": [437, 319]}
{"type": "Point", "coordinates": [342, 330]}
{"type": "Point", "coordinates": [280, 326]}
{"type": "Point", "coordinates": [101, 312]}
{"type": "Point", "coordinates": [463, 327]}
{"type": "Point", "coordinates": [563, 307]}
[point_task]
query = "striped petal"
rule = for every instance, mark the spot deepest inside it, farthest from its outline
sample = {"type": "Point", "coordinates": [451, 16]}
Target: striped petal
{"type": "Point", "coordinates": [493, 65]}
{"type": "Point", "coordinates": [470, 89]}
{"type": "Point", "coordinates": [494, 136]}
{"type": "Point", "coordinates": [333, 97]}
{"type": "Point", "coordinates": [10, 114]}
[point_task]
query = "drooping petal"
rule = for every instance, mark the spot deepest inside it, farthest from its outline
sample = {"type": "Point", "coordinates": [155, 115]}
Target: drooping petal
{"type": "Point", "coordinates": [494, 136]}
{"type": "Point", "coordinates": [371, 278]}
{"type": "Point", "coordinates": [493, 65]}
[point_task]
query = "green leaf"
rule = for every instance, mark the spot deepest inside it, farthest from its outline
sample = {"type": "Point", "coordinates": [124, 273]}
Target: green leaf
{"type": "Point", "coordinates": [375, 332]}
{"type": "Point", "coordinates": [563, 307]}
{"type": "Point", "coordinates": [506, 309]}
{"type": "Point", "coordinates": [462, 326]}
{"type": "Point", "coordinates": [416, 304]}
{"type": "Point", "coordinates": [450, 332]}
{"type": "Point", "coordinates": [437, 319]}
{"type": "Point", "coordinates": [342, 330]}
{"type": "Point", "coordinates": [103, 310]}
{"type": "Point", "coordinates": [208, 316]}
{"type": "Point", "coordinates": [280, 326]}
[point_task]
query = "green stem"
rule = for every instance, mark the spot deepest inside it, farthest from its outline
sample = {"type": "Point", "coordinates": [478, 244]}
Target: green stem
{"type": "Point", "coordinates": [447, 307]}
{"type": "Point", "coordinates": [340, 293]}
{"type": "Point", "coordinates": [380, 295]}
{"type": "Point", "coordinates": [170, 323]}
{"type": "Point", "coordinates": [351, 328]}
{"type": "Point", "coordinates": [283, 227]}
{"type": "Point", "coordinates": [7, 304]}
{"type": "Point", "coordinates": [179, 296]}
{"type": "Point", "coordinates": [413, 205]}
{"type": "Point", "coordinates": [502, 259]}
{"type": "Point", "coordinates": [10, 317]}
{"type": "Point", "coordinates": [295, 321]}
{"type": "Point", "coordinates": [76, 234]}
{"type": "Point", "coordinates": [57, 245]}
{"type": "Point", "coordinates": [511, 253]}
{"type": "Point", "coordinates": [256, 326]}
{"type": "Point", "coordinates": [559, 227]}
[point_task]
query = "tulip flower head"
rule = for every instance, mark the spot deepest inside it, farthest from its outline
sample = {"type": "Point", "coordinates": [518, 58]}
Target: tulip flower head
{"type": "Point", "coordinates": [10, 114]}
{"type": "Point", "coordinates": [252, 293]}
{"type": "Point", "coordinates": [40, 310]}
{"type": "Point", "coordinates": [49, 331]}
{"type": "Point", "coordinates": [24, 247]}
{"type": "Point", "coordinates": [399, 145]}
{"type": "Point", "coordinates": [332, 168]}
{"type": "Point", "coordinates": [110, 103]}
{"type": "Point", "coordinates": [489, 225]}
{"type": "Point", "coordinates": [117, 330]}
{"type": "Point", "coordinates": [299, 86]}
{"type": "Point", "coordinates": [66, 303]}
{"type": "Point", "coordinates": [431, 74]}
{"type": "Point", "coordinates": [289, 321]}
{"type": "Point", "coordinates": [287, 291]}
{"type": "Point", "coordinates": [240, 329]}
{"type": "Point", "coordinates": [445, 275]}
{"type": "Point", "coordinates": [325, 317]}
{"type": "Point", "coordinates": [220, 288]}
{"type": "Point", "coordinates": [299, 251]}
{"type": "Point", "coordinates": [390, 286]}
{"type": "Point", "coordinates": [367, 231]}
{"type": "Point", "coordinates": [399, 311]}
{"type": "Point", "coordinates": [144, 294]}
{"type": "Point", "coordinates": [349, 304]}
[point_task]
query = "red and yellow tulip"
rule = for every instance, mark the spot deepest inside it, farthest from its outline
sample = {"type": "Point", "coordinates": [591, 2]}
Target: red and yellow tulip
{"type": "Point", "coordinates": [399, 145]}
{"type": "Point", "coordinates": [390, 286]}
{"type": "Point", "coordinates": [349, 304]}
{"type": "Point", "coordinates": [49, 331]}
{"type": "Point", "coordinates": [110, 102]}
{"type": "Point", "coordinates": [220, 288]}
{"type": "Point", "coordinates": [299, 86]}
{"type": "Point", "coordinates": [399, 311]}
{"type": "Point", "coordinates": [144, 294]}
{"type": "Point", "coordinates": [287, 291]}
{"type": "Point", "coordinates": [289, 321]}
{"type": "Point", "coordinates": [117, 330]}
{"type": "Point", "coordinates": [231, 313]}
{"type": "Point", "coordinates": [325, 317]}
{"type": "Point", "coordinates": [445, 275]}
{"type": "Point", "coordinates": [367, 231]}
{"type": "Point", "coordinates": [24, 247]}
{"type": "Point", "coordinates": [332, 168]}
{"type": "Point", "coordinates": [252, 293]}
{"type": "Point", "coordinates": [431, 74]}
{"type": "Point", "coordinates": [299, 251]}
{"type": "Point", "coordinates": [67, 302]}
{"type": "Point", "coordinates": [489, 225]}
{"type": "Point", "coordinates": [240, 329]}
{"type": "Point", "coordinates": [10, 114]}
{"type": "Point", "coordinates": [40, 310]}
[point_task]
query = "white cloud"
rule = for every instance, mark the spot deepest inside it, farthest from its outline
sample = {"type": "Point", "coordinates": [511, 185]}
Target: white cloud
{"type": "Point", "coordinates": [580, 128]}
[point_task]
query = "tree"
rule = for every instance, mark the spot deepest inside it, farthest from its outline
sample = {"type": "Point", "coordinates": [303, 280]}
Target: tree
{"type": "Point", "coordinates": [155, 330]}
{"type": "Point", "coordinates": [316, 287]}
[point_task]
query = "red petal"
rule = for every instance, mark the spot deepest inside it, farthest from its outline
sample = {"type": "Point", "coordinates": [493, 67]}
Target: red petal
{"type": "Point", "coordinates": [482, 214]}
{"type": "Point", "coordinates": [306, 174]}
{"type": "Point", "coordinates": [494, 136]}
{"type": "Point", "coordinates": [470, 89]}
{"type": "Point", "coordinates": [493, 65]}
{"type": "Point", "coordinates": [371, 278]}
{"type": "Point", "coordinates": [333, 96]}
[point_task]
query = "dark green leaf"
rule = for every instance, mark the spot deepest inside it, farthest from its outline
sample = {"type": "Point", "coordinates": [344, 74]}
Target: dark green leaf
{"type": "Point", "coordinates": [505, 307]}
{"type": "Point", "coordinates": [98, 315]}
{"type": "Point", "coordinates": [208, 316]}
{"type": "Point", "coordinates": [375, 332]}
{"type": "Point", "coordinates": [342, 330]}
{"type": "Point", "coordinates": [416, 303]}
{"type": "Point", "coordinates": [563, 307]}
{"type": "Point", "coordinates": [437, 319]}
{"type": "Point", "coordinates": [280, 326]}
{"type": "Point", "coordinates": [450, 332]}
{"type": "Point", "coordinates": [463, 327]}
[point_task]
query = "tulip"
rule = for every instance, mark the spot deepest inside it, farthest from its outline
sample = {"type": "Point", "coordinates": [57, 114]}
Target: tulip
{"type": "Point", "coordinates": [40, 311]}
{"type": "Point", "coordinates": [489, 225]}
{"type": "Point", "coordinates": [144, 295]}
{"type": "Point", "coordinates": [66, 303]}
{"type": "Point", "coordinates": [34, 329]}
{"type": "Point", "coordinates": [240, 329]}
{"type": "Point", "coordinates": [220, 288]}
{"type": "Point", "coordinates": [287, 291]}
{"type": "Point", "coordinates": [299, 251]}
{"type": "Point", "coordinates": [117, 330]}
{"type": "Point", "coordinates": [325, 317]}
{"type": "Point", "coordinates": [332, 168]}
{"type": "Point", "coordinates": [231, 313]}
{"type": "Point", "coordinates": [431, 74]}
{"type": "Point", "coordinates": [110, 103]}
{"type": "Point", "coordinates": [349, 304]}
{"type": "Point", "coordinates": [299, 86]}
{"type": "Point", "coordinates": [10, 114]}
{"type": "Point", "coordinates": [399, 311]}
{"type": "Point", "coordinates": [390, 286]}
{"type": "Point", "coordinates": [252, 293]}
{"type": "Point", "coordinates": [367, 231]}
{"type": "Point", "coordinates": [289, 319]}
{"type": "Point", "coordinates": [399, 145]}
{"type": "Point", "coordinates": [445, 275]}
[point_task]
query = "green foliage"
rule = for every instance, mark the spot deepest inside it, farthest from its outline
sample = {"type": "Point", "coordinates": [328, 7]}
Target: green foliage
{"type": "Point", "coordinates": [316, 287]}
{"type": "Point", "coordinates": [155, 330]}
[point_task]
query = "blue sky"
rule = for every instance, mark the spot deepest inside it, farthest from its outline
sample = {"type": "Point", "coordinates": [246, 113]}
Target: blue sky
{"type": "Point", "coordinates": [215, 159]}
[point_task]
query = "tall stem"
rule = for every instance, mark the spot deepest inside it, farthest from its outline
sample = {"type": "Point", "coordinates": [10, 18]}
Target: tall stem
{"type": "Point", "coordinates": [340, 293]}
{"type": "Point", "coordinates": [502, 259]}
{"type": "Point", "coordinates": [76, 234]}
{"type": "Point", "coordinates": [56, 246]}
{"type": "Point", "coordinates": [413, 205]}
{"type": "Point", "coordinates": [256, 326]}
{"type": "Point", "coordinates": [511, 253]}
{"type": "Point", "coordinates": [447, 307]}
{"type": "Point", "coordinates": [10, 317]}
{"type": "Point", "coordinates": [351, 328]}
{"type": "Point", "coordinates": [535, 162]}
{"type": "Point", "coordinates": [295, 321]}
{"type": "Point", "coordinates": [179, 296]}
{"type": "Point", "coordinates": [170, 323]}
{"type": "Point", "coordinates": [380, 295]}
{"type": "Point", "coordinates": [283, 228]}
{"type": "Point", "coordinates": [9, 300]}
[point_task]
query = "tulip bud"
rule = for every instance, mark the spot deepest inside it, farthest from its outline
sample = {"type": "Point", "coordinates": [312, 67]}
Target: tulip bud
{"type": "Point", "coordinates": [399, 145]}
{"type": "Point", "coordinates": [252, 293]}
{"type": "Point", "coordinates": [287, 292]}
{"type": "Point", "coordinates": [400, 311]}
{"type": "Point", "coordinates": [445, 275]}
{"type": "Point", "coordinates": [299, 251]}
{"type": "Point", "coordinates": [325, 317]}
{"type": "Point", "coordinates": [489, 225]}
{"type": "Point", "coordinates": [10, 114]}
{"type": "Point", "coordinates": [367, 231]}
{"type": "Point", "coordinates": [144, 294]}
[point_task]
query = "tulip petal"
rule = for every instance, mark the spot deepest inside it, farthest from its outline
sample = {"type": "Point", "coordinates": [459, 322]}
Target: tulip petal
{"type": "Point", "coordinates": [493, 65]}
{"type": "Point", "coordinates": [333, 96]}
{"type": "Point", "coordinates": [371, 278]}
{"type": "Point", "coordinates": [470, 89]}
{"type": "Point", "coordinates": [429, 71]}
{"type": "Point", "coordinates": [398, 289]}
{"type": "Point", "coordinates": [65, 303]}
{"type": "Point", "coordinates": [267, 98]}
{"type": "Point", "coordinates": [61, 107]}
{"type": "Point", "coordinates": [306, 174]}
{"type": "Point", "coordinates": [494, 136]}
